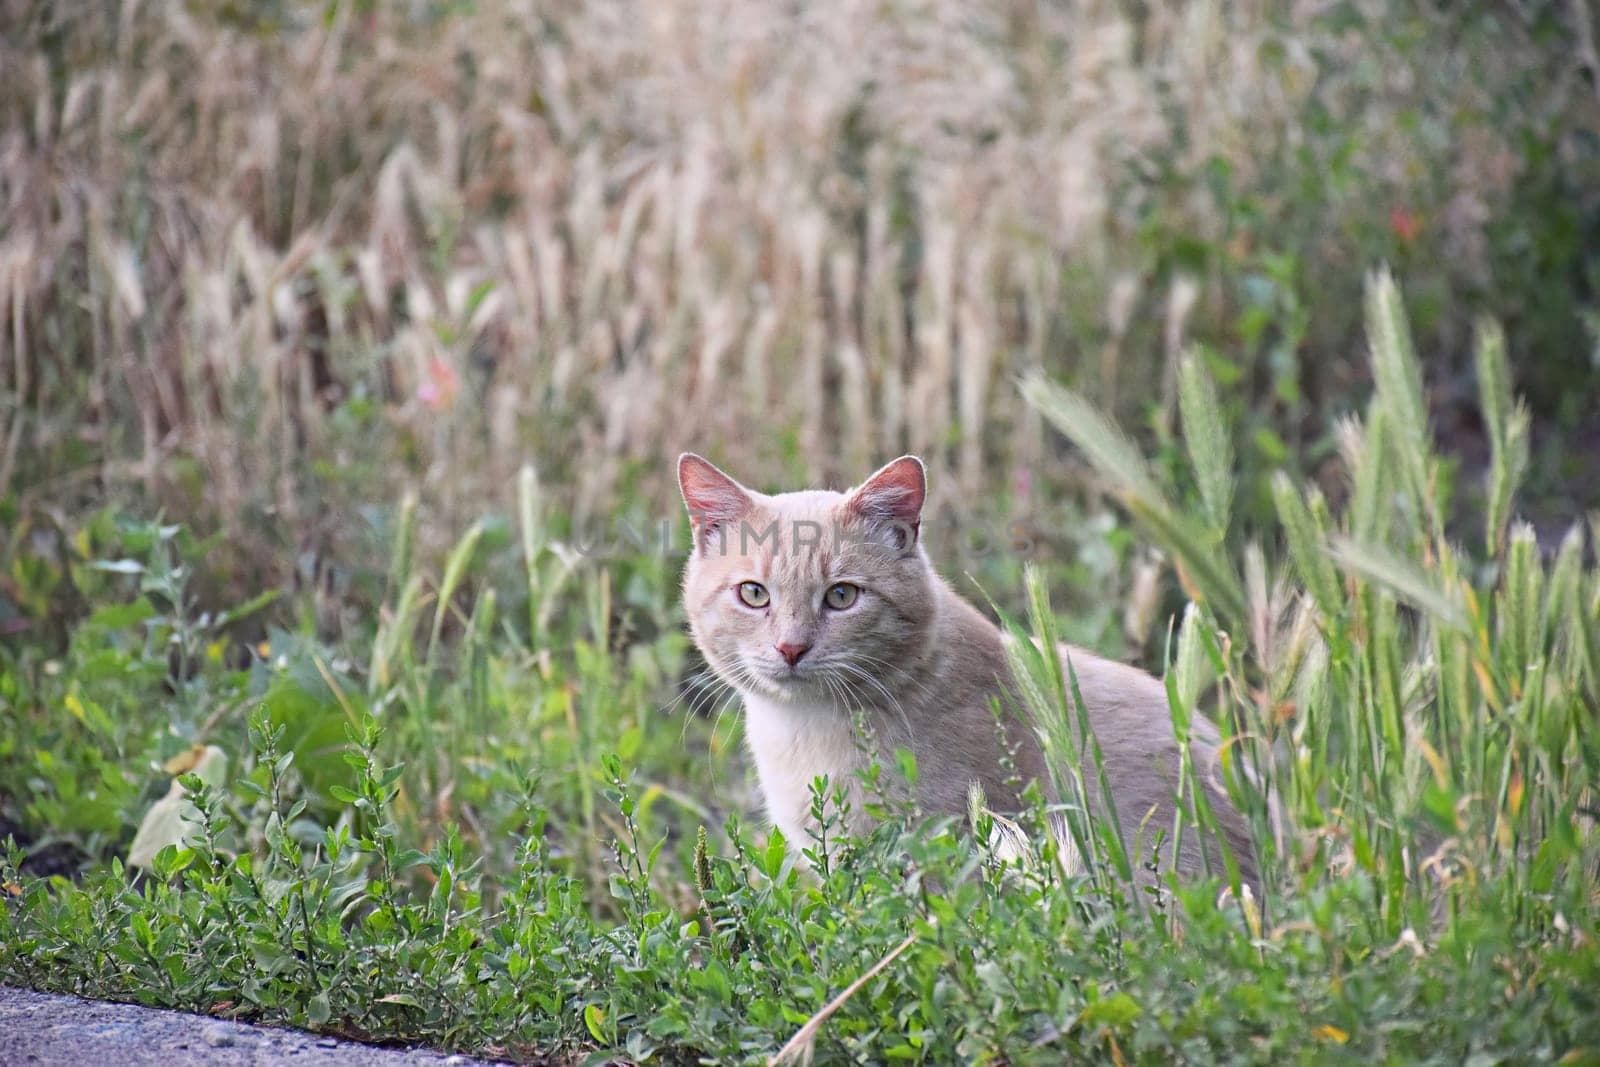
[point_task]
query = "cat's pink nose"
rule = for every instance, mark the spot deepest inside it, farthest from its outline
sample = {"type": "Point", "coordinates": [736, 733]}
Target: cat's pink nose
{"type": "Point", "coordinates": [791, 653]}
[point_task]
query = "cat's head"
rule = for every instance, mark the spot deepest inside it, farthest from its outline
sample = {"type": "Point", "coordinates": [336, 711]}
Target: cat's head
{"type": "Point", "coordinates": [814, 595]}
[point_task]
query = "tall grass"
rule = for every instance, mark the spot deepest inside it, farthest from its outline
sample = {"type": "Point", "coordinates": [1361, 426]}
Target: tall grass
{"type": "Point", "coordinates": [1429, 717]}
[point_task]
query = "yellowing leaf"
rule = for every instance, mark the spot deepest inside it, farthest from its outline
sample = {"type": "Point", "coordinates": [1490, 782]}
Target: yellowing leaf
{"type": "Point", "coordinates": [1441, 774]}
{"type": "Point", "coordinates": [1486, 683]}
{"type": "Point", "coordinates": [185, 761]}
{"type": "Point", "coordinates": [1514, 792]}
{"type": "Point", "coordinates": [1329, 1032]}
{"type": "Point", "coordinates": [403, 999]}
{"type": "Point", "coordinates": [165, 823]}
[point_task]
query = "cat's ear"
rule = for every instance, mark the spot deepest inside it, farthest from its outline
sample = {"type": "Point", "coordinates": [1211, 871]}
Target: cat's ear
{"type": "Point", "coordinates": [713, 498]}
{"type": "Point", "coordinates": [891, 500]}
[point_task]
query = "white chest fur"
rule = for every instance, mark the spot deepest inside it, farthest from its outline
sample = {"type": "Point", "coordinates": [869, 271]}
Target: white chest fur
{"type": "Point", "coordinates": [792, 744]}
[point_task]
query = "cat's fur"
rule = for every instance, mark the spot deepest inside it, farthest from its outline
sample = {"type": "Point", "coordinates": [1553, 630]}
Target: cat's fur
{"type": "Point", "coordinates": [915, 658]}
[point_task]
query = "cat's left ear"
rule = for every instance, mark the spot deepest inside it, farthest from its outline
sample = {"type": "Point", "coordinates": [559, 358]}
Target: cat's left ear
{"type": "Point", "coordinates": [891, 500]}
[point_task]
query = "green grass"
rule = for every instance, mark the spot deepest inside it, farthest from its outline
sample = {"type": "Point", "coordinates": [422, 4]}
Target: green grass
{"type": "Point", "coordinates": [492, 822]}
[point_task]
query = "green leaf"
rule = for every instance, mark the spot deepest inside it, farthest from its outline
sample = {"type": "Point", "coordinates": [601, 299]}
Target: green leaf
{"type": "Point", "coordinates": [776, 849]}
{"type": "Point", "coordinates": [249, 607]}
{"type": "Point", "coordinates": [594, 1017]}
{"type": "Point", "coordinates": [479, 293]}
{"type": "Point", "coordinates": [121, 616]}
{"type": "Point", "coordinates": [1117, 1010]}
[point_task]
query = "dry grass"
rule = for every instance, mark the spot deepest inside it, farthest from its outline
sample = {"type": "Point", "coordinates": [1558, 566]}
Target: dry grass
{"type": "Point", "coordinates": [589, 233]}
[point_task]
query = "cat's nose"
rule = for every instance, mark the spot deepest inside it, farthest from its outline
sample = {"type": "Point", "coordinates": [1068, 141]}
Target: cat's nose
{"type": "Point", "coordinates": [791, 653]}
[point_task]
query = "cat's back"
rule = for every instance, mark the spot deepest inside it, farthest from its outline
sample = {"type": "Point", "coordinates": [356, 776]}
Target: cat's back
{"type": "Point", "coordinates": [1122, 700]}
{"type": "Point", "coordinates": [1126, 706]}
{"type": "Point", "coordinates": [1132, 722]}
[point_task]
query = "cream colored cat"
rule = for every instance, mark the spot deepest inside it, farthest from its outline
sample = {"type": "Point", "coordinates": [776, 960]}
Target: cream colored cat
{"type": "Point", "coordinates": [815, 605]}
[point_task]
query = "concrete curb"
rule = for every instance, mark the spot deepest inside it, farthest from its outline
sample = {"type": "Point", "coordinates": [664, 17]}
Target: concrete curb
{"type": "Point", "coordinates": [47, 1028]}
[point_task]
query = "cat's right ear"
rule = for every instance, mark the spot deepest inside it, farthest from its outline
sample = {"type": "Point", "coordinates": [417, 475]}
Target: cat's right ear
{"type": "Point", "coordinates": [714, 500]}
{"type": "Point", "coordinates": [890, 502]}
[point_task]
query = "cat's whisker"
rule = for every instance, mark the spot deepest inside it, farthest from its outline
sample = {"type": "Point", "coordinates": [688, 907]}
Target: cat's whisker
{"type": "Point", "coordinates": [890, 668]}
{"type": "Point", "coordinates": [723, 693]}
{"type": "Point", "coordinates": [705, 686]}
{"type": "Point", "coordinates": [891, 702]}
{"type": "Point", "coordinates": [700, 679]}
{"type": "Point", "coordinates": [741, 673]}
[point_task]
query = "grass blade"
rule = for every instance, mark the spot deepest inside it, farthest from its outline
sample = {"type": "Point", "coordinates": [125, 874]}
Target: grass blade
{"type": "Point", "coordinates": [1402, 578]}
{"type": "Point", "coordinates": [1210, 450]}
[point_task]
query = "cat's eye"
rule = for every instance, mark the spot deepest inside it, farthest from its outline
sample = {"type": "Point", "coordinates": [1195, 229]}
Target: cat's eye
{"type": "Point", "coordinates": [754, 595]}
{"type": "Point", "coordinates": [841, 595]}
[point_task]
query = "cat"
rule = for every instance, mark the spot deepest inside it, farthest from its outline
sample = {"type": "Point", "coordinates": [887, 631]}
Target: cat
{"type": "Point", "coordinates": [821, 607]}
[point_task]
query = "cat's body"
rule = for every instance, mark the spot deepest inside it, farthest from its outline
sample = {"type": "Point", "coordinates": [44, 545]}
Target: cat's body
{"type": "Point", "coordinates": [906, 652]}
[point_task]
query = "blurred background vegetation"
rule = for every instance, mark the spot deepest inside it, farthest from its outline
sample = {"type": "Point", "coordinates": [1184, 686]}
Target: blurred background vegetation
{"type": "Point", "coordinates": [265, 266]}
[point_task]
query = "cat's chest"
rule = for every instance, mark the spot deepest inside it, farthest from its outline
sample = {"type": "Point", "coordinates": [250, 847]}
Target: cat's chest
{"type": "Point", "coordinates": [792, 744]}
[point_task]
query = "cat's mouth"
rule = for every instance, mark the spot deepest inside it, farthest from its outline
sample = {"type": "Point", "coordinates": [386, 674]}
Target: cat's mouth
{"type": "Point", "coordinates": [790, 679]}
{"type": "Point", "coordinates": [812, 685]}
{"type": "Point", "coordinates": [784, 681]}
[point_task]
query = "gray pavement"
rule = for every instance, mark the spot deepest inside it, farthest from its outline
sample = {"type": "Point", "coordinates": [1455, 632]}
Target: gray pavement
{"type": "Point", "coordinates": [44, 1028]}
